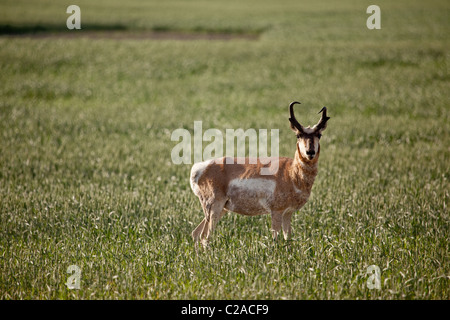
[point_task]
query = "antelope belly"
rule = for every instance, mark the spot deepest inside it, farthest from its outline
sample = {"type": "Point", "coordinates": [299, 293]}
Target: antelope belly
{"type": "Point", "coordinates": [250, 196]}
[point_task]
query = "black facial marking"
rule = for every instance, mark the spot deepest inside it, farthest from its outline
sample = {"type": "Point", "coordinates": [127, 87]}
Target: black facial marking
{"type": "Point", "coordinates": [308, 135]}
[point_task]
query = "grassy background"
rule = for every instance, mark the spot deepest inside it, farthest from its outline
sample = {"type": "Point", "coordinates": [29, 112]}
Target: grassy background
{"type": "Point", "coordinates": [86, 176]}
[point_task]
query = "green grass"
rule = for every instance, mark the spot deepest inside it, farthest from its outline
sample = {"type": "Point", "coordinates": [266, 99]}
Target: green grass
{"type": "Point", "coordinates": [86, 176]}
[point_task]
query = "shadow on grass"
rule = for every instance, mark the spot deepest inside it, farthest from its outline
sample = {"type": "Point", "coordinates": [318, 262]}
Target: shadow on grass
{"type": "Point", "coordinates": [7, 29]}
{"type": "Point", "coordinates": [118, 31]}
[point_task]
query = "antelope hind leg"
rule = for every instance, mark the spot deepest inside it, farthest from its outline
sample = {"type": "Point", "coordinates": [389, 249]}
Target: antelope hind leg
{"type": "Point", "coordinates": [215, 213]}
{"type": "Point", "coordinates": [197, 231]}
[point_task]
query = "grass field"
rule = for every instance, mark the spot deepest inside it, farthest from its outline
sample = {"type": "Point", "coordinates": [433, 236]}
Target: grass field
{"type": "Point", "coordinates": [86, 176]}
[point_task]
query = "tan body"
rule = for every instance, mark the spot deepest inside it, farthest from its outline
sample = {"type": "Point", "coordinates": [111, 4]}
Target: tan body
{"type": "Point", "coordinates": [222, 186]}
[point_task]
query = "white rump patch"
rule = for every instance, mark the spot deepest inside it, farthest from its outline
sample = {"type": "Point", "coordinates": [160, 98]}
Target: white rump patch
{"type": "Point", "coordinates": [196, 172]}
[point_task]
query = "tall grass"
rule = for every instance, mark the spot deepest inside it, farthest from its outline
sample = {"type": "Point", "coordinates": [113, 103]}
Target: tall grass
{"type": "Point", "coordinates": [86, 176]}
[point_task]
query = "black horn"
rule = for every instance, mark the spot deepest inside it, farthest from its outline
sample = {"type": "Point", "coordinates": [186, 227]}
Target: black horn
{"type": "Point", "coordinates": [294, 123]}
{"type": "Point", "coordinates": [322, 124]}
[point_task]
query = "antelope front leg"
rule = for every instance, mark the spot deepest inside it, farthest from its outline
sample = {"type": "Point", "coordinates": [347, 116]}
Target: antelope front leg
{"type": "Point", "coordinates": [286, 222]}
{"type": "Point", "coordinates": [276, 225]}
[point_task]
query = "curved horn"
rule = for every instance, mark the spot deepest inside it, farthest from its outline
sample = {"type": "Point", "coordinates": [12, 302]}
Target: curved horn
{"type": "Point", "coordinates": [292, 119]}
{"type": "Point", "coordinates": [322, 124]}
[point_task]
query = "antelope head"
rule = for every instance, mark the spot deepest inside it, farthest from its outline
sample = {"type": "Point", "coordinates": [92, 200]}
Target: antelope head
{"type": "Point", "coordinates": [308, 138]}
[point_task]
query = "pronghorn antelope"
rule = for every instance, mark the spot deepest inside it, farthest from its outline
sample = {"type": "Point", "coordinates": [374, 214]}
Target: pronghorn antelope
{"type": "Point", "coordinates": [239, 186]}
